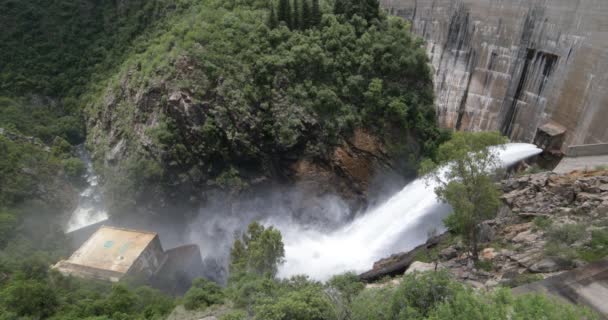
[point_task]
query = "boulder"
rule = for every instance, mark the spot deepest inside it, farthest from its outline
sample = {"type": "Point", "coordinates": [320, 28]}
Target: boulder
{"type": "Point", "coordinates": [418, 266]}
{"type": "Point", "coordinates": [547, 265]}
{"type": "Point", "coordinates": [526, 237]}
{"type": "Point", "coordinates": [487, 232]}
{"type": "Point", "coordinates": [448, 253]}
{"type": "Point", "coordinates": [488, 254]}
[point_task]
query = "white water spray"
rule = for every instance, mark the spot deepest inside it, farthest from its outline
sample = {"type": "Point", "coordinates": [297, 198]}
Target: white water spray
{"type": "Point", "coordinates": [90, 208]}
{"type": "Point", "coordinates": [399, 224]}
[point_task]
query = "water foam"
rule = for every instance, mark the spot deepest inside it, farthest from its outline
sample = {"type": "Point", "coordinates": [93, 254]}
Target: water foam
{"type": "Point", "coordinates": [91, 207]}
{"type": "Point", "coordinates": [399, 224]}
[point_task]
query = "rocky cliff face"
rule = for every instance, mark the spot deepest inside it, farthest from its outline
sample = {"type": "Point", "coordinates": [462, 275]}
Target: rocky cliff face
{"type": "Point", "coordinates": [156, 147]}
{"type": "Point", "coordinates": [516, 65]}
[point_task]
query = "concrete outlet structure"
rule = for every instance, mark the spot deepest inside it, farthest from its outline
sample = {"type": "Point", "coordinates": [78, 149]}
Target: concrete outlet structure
{"type": "Point", "coordinates": [113, 253]}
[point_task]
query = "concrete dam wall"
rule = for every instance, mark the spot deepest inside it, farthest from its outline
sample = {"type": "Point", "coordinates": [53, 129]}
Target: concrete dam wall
{"type": "Point", "coordinates": [516, 65]}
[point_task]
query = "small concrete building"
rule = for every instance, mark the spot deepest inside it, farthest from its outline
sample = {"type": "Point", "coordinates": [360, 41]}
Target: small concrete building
{"type": "Point", "coordinates": [113, 253]}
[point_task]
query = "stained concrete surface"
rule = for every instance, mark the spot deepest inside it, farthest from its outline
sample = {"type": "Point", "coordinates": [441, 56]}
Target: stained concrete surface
{"type": "Point", "coordinates": [514, 65]}
{"type": "Point", "coordinates": [568, 165]}
{"type": "Point", "coordinates": [587, 285]}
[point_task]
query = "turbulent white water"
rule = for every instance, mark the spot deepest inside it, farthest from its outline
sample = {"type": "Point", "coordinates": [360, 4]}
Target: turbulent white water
{"type": "Point", "coordinates": [401, 223]}
{"type": "Point", "coordinates": [90, 208]}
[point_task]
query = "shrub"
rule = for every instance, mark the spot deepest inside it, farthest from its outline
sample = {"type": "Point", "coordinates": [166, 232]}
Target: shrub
{"type": "Point", "coordinates": [202, 294]}
{"type": "Point", "coordinates": [74, 167]}
{"type": "Point", "coordinates": [307, 302]}
{"type": "Point", "coordinates": [419, 293]}
{"type": "Point", "coordinates": [373, 303]}
{"type": "Point", "coordinates": [234, 315]}
{"type": "Point", "coordinates": [348, 284]}
{"type": "Point", "coordinates": [567, 233]}
{"type": "Point", "coordinates": [597, 247]}
{"type": "Point", "coordinates": [468, 305]}
{"type": "Point", "coordinates": [524, 278]}
{"type": "Point", "coordinates": [30, 298]}
{"type": "Point", "coordinates": [485, 265]}
{"type": "Point", "coordinates": [542, 223]}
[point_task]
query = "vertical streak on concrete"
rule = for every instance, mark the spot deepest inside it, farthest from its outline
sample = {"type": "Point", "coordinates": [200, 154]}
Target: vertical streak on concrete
{"type": "Point", "coordinates": [534, 61]}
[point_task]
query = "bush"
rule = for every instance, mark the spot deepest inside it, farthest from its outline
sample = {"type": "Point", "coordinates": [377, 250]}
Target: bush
{"type": "Point", "coordinates": [468, 305]}
{"type": "Point", "coordinates": [30, 298]}
{"type": "Point", "coordinates": [524, 278]}
{"type": "Point", "coordinates": [202, 294]}
{"type": "Point", "coordinates": [304, 302]}
{"type": "Point", "coordinates": [373, 304]}
{"type": "Point", "coordinates": [567, 234]}
{"type": "Point", "coordinates": [74, 168]}
{"type": "Point", "coordinates": [247, 289]}
{"type": "Point", "coordinates": [542, 223]}
{"type": "Point", "coordinates": [485, 265]}
{"type": "Point", "coordinates": [597, 248]}
{"type": "Point", "coordinates": [419, 293]}
{"type": "Point", "coordinates": [348, 284]}
{"type": "Point", "coordinates": [234, 315]}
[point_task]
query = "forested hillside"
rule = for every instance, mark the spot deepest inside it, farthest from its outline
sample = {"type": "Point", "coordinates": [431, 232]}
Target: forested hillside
{"type": "Point", "coordinates": [191, 96]}
{"type": "Point", "coordinates": [228, 94]}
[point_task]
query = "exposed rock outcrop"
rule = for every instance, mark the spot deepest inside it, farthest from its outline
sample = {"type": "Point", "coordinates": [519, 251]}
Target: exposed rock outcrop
{"type": "Point", "coordinates": [547, 221]}
{"type": "Point", "coordinates": [185, 143]}
{"type": "Point", "coordinates": [516, 65]}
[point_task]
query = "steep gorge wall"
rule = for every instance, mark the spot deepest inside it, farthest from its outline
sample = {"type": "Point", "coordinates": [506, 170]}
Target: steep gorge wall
{"type": "Point", "coordinates": [515, 65]}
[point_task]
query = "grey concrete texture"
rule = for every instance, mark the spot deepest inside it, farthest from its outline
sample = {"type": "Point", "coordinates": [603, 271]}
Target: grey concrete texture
{"type": "Point", "coordinates": [587, 150]}
{"type": "Point", "coordinates": [568, 164]}
{"type": "Point", "coordinates": [514, 65]}
{"type": "Point", "coordinates": [587, 285]}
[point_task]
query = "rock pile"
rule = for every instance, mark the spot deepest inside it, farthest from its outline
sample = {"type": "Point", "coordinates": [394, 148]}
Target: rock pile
{"type": "Point", "coordinates": [546, 194]}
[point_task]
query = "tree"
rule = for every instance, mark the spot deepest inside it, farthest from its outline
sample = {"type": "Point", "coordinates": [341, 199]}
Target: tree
{"type": "Point", "coordinates": [315, 13]}
{"type": "Point", "coordinates": [367, 9]}
{"type": "Point", "coordinates": [273, 22]}
{"type": "Point", "coordinates": [260, 251]}
{"type": "Point", "coordinates": [339, 7]}
{"type": "Point", "coordinates": [306, 15]}
{"type": "Point", "coordinates": [30, 298]}
{"type": "Point", "coordinates": [463, 171]}
{"type": "Point", "coordinates": [285, 12]}
{"type": "Point", "coordinates": [297, 17]}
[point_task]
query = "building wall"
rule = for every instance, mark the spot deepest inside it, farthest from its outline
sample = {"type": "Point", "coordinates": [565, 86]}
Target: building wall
{"type": "Point", "coordinates": [150, 260]}
{"type": "Point", "coordinates": [513, 65]}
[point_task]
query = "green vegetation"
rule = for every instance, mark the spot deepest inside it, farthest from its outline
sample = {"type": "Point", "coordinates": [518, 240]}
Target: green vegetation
{"type": "Point", "coordinates": [485, 265]}
{"type": "Point", "coordinates": [34, 292]}
{"type": "Point", "coordinates": [268, 79]}
{"type": "Point", "coordinates": [435, 296]}
{"type": "Point", "coordinates": [54, 48]}
{"type": "Point", "coordinates": [597, 248]}
{"type": "Point", "coordinates": [523, 278]}
{"type": "Point", "coordinates": [259, 251]}
{"type": "Point", "coordinates": [567, 234]}
{"type": "Point", "coordinates": [573, 241]}
{"type": "Point", "coordinates": [280, 93]}
{"type": "Point", "coordinates": [467, 184]}
{"type": "Point", "coordinates": [542, 223]}
{"type": "Point", "coordinates": [202, 294]}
